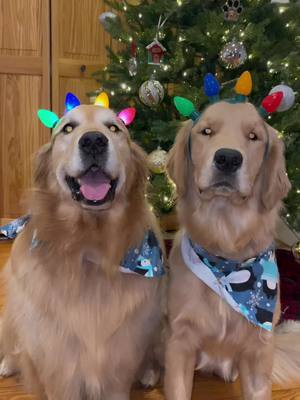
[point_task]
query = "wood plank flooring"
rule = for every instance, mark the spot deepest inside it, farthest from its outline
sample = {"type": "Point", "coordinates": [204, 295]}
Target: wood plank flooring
{"type": "Point", "coordinates": [206, 388]}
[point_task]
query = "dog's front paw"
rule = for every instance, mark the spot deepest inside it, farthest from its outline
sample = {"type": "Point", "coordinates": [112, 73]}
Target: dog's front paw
{"type": "Point", "coordinates": [150, 378]}
{"type": "Point", "coordinates": [7, 367]}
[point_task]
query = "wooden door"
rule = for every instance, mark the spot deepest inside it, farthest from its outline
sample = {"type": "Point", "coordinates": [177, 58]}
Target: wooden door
{"type": "Point", "coordinates": [78, 48]}
{"type": "Point", "coordinates": [24, 88]}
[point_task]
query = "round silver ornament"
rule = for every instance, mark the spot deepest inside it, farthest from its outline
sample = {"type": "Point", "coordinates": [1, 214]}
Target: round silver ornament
{"type": "Point", "coordinates": [105, 17]}
{"type": "Point", "coordinates": [233, 54]}
{"type": "Point", "coordinates": [151, 93]}
{"type": "Point", "coordinates": [288, 97]}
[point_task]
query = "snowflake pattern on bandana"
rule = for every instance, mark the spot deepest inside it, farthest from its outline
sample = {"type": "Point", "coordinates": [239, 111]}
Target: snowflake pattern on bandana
{"type": "Point", "coordinates": [249, 287]}
{"type": "Point", "coordinates": [145, 260]}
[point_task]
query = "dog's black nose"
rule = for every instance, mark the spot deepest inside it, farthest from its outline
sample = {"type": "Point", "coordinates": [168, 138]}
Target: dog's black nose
{"type": "Point", "coordinates": [93, 143]}
{"type": "Point", "coordinates": [228, 160]}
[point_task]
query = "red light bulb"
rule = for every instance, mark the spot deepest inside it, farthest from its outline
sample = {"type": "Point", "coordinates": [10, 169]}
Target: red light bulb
{"type": "Point", "coordinates": [272, 102]}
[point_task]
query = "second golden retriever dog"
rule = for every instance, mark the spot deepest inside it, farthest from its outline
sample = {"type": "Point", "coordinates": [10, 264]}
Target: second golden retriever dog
{"type": "Point", "coordinates": [229, 169]}
{"type": "Point", "coordinates": [85, 275]}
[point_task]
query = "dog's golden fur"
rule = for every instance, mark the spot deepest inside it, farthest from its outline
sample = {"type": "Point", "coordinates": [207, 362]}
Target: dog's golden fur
{"type": "Point", "coordinates": [236, 223]}
{"type": "Point", "coordinates": [76, 326]}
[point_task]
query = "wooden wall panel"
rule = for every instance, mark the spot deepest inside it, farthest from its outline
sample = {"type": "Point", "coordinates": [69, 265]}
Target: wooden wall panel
{"type": "Point", "coordinates": [21, 27]}
{"type": "Point", "coordinates": [21, 135]}
{"type": "Point", "coordinates": [78, 46]}
{"type": "Point", "coordinates": [24, 88]}
{"type": "Point", "coordinates": [31, 30]}
{"type": "Point", "coordinates": [81, 35]}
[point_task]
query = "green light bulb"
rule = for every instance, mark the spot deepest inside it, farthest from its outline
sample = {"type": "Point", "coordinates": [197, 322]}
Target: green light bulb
{"type": "Point", "coordinates": [48, 118]}
{"type": "Point", "coordinates": [184, 106]}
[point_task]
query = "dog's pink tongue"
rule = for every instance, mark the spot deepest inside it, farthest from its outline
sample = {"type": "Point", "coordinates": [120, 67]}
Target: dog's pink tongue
{"type": "Point", "coordinates": [94, 185]}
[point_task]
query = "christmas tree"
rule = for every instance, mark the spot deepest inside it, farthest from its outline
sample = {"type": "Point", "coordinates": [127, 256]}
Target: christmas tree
{"type": "Point", "coordinates": [166, 48]}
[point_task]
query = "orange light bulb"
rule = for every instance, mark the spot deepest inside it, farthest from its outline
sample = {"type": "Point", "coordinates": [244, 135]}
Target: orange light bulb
{"type": "Point", "coordinates": [244, 84]}
{"type": "Point", "coordinates": [102, 100]}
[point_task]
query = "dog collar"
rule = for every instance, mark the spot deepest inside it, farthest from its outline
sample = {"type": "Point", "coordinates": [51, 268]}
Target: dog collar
{"type": "Point", "coordinates": [249, 287]}
{"type": "Point", "coordinates": [145, 260]}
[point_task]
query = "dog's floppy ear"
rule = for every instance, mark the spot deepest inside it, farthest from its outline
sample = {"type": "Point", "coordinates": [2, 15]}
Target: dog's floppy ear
{"type": "Point", "coordinates": [41, 166]}
{"type": "Point", "coordinates": [177, 163]}
{"type": "Point", "coordinates": [275, 182]}
{"type": "Point", "coordinates": [139, 165]}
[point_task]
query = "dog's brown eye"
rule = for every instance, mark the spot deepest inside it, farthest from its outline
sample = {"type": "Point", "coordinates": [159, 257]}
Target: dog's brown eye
{"type": "Point", "coordinates": [68, 128]}
{"type": "Point", "coordinates": [252, 136]}
{"type": "Point", "coordinates": [113, 128]}
{"type": "Point", "coordinates": [206, 131]}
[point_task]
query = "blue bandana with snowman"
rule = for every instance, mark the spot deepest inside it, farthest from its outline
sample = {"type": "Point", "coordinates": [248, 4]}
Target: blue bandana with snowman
{"type": "Point", "coordinates": [145, 260]}
{"type": "Point", "coordinates": [249, 287]}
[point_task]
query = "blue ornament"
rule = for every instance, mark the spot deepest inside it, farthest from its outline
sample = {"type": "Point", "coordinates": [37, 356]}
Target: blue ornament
{"type": "Point", "coordinates": [211, 87]}
{"type": "Point", "coordinates": [71, 101]}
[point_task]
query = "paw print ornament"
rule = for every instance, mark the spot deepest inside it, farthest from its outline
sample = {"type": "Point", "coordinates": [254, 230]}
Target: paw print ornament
{"type": "Point", "coordinates": [232, 10]}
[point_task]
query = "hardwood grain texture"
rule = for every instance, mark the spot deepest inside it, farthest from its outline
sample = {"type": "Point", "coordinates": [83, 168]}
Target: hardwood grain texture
{"type": "Point", "coordinates": [24, 88]}
{"type": "Point", "coordinates": [21, 27]}
{"type": "Point", "coordinates": [30, 80]}
{"type": "Point", "coordinates": [20, 136]}
{"type": "Point", "coordinates": [78, 47]}
{"type": "Point", "coordinates": [206, 388]}
{"type": "Point", "coordinates": [81, 34]}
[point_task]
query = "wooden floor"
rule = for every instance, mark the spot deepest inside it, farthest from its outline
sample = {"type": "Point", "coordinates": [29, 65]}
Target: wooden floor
{"type": "Point", "coordinates": [205, 388]}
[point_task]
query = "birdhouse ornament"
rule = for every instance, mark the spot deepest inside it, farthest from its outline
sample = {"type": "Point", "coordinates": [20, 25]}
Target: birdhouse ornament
{"type": "Point", "coordinates": [156, 52]}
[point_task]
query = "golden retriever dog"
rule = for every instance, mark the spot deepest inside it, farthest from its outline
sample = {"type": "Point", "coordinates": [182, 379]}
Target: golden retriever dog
{"type": "Point", "coordinates": [77, 325]}
{"type": "Point", "coordinates": [230, 174]}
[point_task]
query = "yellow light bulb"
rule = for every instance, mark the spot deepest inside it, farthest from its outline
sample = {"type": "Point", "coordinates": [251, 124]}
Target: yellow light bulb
{"type": "Point", "coordinates": [244, 84]}
{"type": "Point", "coordinates": [102, 100]}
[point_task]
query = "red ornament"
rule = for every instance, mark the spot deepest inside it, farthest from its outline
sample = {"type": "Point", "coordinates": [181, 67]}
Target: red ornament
{"type": "Point", "coordinates": [133, 49]}
{"type": "Point", "coordinates": [272, 102]}
{"type": "Point", "coordinates": [156, 52]}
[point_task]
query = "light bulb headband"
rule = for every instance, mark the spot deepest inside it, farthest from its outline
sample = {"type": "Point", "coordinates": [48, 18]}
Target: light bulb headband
{"type": "Point", "coordinates": [51, 120]}
{"type": "Point", "coordinates": [243, 88]}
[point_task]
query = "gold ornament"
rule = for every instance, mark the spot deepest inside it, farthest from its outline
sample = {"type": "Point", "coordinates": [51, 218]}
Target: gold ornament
{"type": "Point", "coordinates": [296, 251]}
{"type": "Point", "coordinates": [134, 2]}
{"type": "Point", "coordinates": [157, 161]}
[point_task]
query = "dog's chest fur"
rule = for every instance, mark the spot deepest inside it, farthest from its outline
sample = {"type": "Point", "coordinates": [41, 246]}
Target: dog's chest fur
{"type": "Point", "coordinates": [210, 326]}
{"type": "Point", "coordinates": [93, 324]}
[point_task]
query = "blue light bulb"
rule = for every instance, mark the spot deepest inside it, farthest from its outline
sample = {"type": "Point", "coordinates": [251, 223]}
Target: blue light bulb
{"type": "Point", "coordinates": [211, 86]}
{"type": "Point", "coordinates": [71, 101]}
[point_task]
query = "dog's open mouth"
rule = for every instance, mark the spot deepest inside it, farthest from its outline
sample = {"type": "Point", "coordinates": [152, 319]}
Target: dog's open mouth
{"type": "Point", "coordinates": [94, 187]}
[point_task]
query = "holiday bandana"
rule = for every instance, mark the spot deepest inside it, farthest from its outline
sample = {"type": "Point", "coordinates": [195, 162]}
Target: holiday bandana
{"type": "Point", "coordinates": [145, 260]}
{"type": "Point", "coordinates": [11, 230]}
{"type": "Point", "coordinates": [249, 287]}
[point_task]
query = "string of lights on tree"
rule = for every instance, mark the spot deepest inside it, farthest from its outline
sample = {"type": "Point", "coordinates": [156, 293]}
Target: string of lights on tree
{"type": "Point", "coordinates": [167, 46]}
